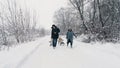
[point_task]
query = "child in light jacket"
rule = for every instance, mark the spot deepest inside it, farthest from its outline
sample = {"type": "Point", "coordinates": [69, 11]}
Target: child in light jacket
{"type": "Point", "coordinates": [69, 37]}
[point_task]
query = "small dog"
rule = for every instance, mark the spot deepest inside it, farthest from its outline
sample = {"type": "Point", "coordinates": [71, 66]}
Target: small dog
{"type": "Point", "coordinates": [61, 41]}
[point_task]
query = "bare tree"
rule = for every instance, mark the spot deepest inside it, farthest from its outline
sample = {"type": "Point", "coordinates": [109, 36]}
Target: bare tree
{"type": "Point", "coordinates": [16, 22]}
{"type": "Point", "coordinates": [79, 5]}
{"type": "Point", "coordinates": [65, 19]}
{"type": "Point", "coordinates": [100, 18]}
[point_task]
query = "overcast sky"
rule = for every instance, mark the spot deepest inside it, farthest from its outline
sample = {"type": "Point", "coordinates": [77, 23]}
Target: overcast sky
{"type": "Point", "coordinates": [45, 9]}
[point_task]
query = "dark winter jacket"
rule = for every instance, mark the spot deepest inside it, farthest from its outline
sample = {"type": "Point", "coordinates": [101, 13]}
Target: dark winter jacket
{"type": "Point", "coordinates": [55, 33]}
{"type": "Point", "coordinates": [70, 35]}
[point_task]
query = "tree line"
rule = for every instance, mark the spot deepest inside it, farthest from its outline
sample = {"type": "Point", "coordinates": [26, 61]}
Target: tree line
{"type": "Point", "coordinates": [17, 25]}
{"type": "Point", "coordinates": [99, 20]}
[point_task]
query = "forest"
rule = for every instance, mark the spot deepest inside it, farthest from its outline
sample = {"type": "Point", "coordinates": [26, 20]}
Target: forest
{"type": "Point", "coordinates": [17, 25]}
{"type": "Point", "coordinates": [99, 20]}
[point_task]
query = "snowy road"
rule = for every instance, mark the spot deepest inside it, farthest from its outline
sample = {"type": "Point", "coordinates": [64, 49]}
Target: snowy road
{"type": "Point", "coordinates": [39, 54]}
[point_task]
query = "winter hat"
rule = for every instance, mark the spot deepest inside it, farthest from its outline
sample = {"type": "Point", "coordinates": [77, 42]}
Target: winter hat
{"type": "Point", "coordinates": [53, 25]}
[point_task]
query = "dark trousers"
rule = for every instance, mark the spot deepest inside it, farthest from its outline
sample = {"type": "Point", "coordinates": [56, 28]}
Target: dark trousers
{"type": "Point", "coordinates": [69, 41]}
{"type": "Point", "coordinates": [54, 42]}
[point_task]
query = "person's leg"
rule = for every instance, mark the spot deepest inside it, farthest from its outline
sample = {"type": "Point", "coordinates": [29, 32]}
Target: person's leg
{"type": "Point", "coordinates": [71, 42]}
{"type": "Point", "coordinates": [55, 42]}
{"type": "Point", "coordinates": [68, 41]}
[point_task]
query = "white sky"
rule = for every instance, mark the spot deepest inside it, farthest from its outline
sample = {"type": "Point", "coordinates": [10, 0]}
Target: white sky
{"type": "Point", "coordinates": [45, 9]}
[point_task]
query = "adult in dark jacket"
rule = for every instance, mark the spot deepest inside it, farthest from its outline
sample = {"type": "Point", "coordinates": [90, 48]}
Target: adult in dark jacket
{"type": "Point", "coordinates": [69, 37]}
{"type": "Point", "coordinates": [54, 35]}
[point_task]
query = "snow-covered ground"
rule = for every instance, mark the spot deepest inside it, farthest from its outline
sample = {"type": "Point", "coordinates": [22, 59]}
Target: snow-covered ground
{"type": "Point", "coordinates": [38, 54]}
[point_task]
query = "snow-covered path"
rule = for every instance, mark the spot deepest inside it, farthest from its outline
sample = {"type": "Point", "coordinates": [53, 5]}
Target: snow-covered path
{"type": "Point", "coordinates": [39, 54]}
